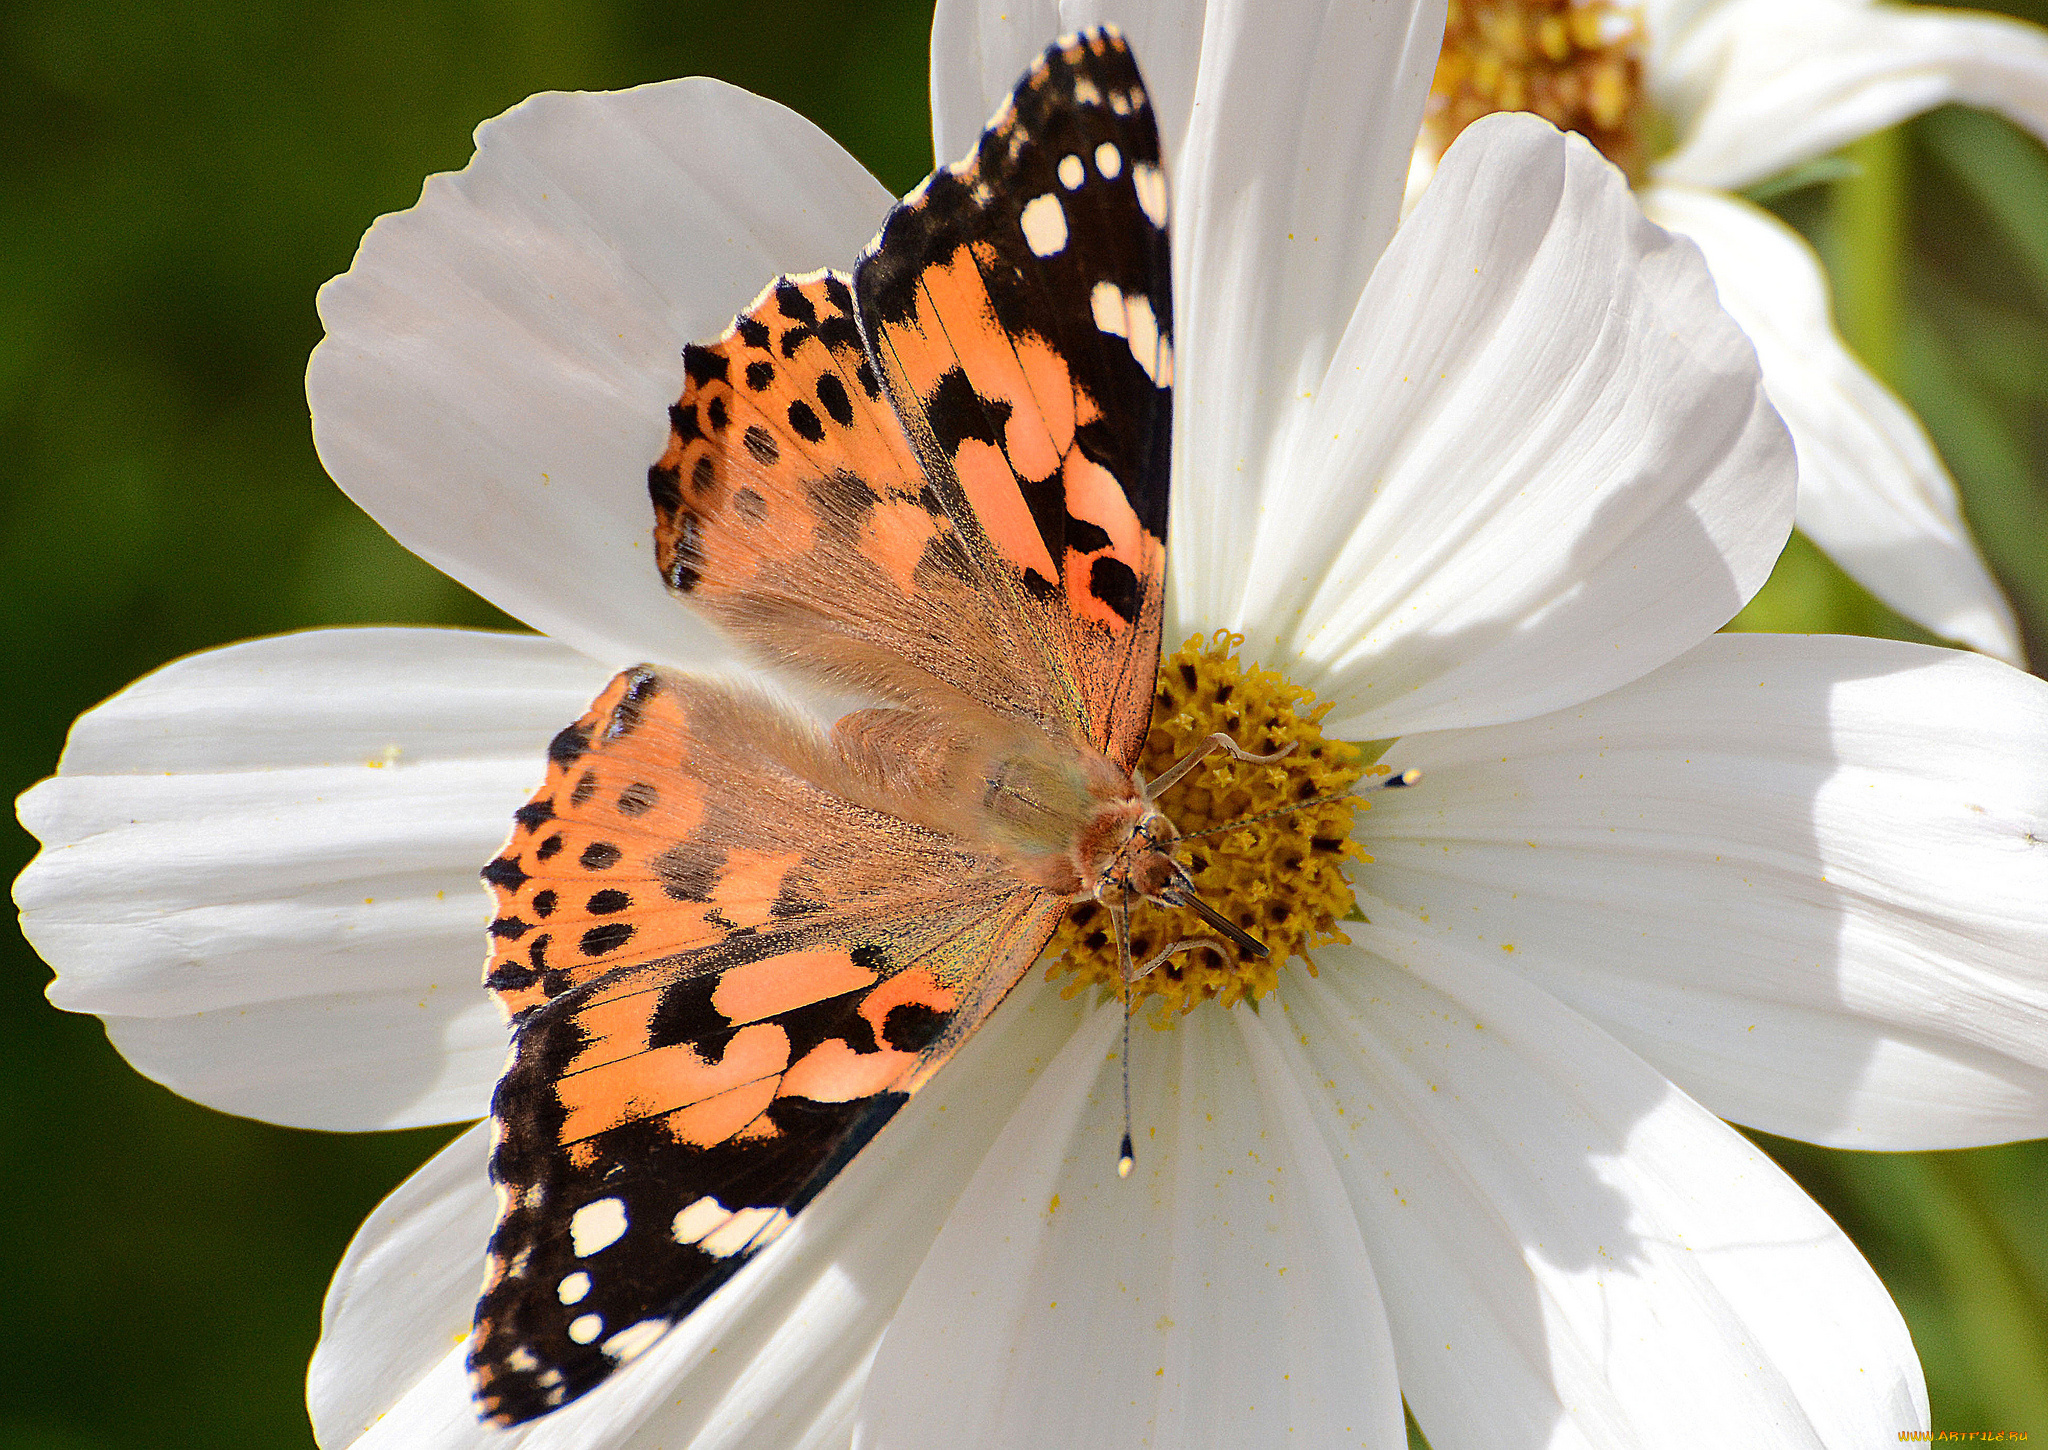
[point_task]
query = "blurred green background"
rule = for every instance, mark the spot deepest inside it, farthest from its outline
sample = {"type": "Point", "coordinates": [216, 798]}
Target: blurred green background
{"type": "Point", "coordinates": [175, 184]}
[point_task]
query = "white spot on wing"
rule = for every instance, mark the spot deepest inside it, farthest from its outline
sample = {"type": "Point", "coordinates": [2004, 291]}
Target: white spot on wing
{"type": "Point", "coordinates": [597, 1226]}
{"type": "Point", "coordinates": [1108, 160]}
{"type": "Point", "coordinates": [522, 1360]}
{"type": "Point", "coordinates": [1144, 334]}
{"type": "Point", "coordinates": [585, 1327]}
{"type": "Point", "coordinates": [634, 1340]}
{"type": "Point", "coordinates": [740, 1230]}
{"type": "Point", "coordinates": [1130, 316]}
{"type": "Point", "coordinates": [1151, 184]}
{"type": "Point", "coordinates": [1045, 225]}
{"type": "Point", "coordinates": [1085, 92]}
{"type": "Point", "coordinates": [1106, 302]}
{"type": "Point", "coordinates": [699, 1219]}
{"type": "Point", "coordinates": [1072, 172]}
{"type": "Point", "coordinates": [573, 1288]}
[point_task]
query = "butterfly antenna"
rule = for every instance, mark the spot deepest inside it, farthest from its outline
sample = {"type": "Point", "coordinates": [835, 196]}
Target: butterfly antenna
{"type": "Point", "coordinates": [1121, 918]}
{"type": "Point", "coordinates": [1396, 781]}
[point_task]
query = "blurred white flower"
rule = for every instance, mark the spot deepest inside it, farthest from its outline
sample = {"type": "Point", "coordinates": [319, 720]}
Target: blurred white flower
{"type": "Point", "coordinates": [1700, 98]}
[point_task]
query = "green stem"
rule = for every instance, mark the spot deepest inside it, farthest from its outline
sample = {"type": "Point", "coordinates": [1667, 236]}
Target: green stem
{"type": "Point", "coordinates": [1868, 264]}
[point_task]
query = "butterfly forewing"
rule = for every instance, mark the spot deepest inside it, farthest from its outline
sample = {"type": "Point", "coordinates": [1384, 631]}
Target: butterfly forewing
{"type": "Point", "coordinates": [1020, 307]}
{"type": "Point", "coordinates": [790, 508]}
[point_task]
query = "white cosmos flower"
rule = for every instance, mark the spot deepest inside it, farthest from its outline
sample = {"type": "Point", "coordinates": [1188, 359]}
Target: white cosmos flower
{"type": "Point", "coordinates": [1487, 483]}
{"type": "Point", "coordinates": [1746, 89]}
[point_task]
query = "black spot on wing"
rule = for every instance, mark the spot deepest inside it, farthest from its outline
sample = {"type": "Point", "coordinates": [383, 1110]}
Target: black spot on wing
{"type": "Point", "coordinates": [571, 744]}
{"type": "Point", "coordinates": [1084, 537]}
{"type": "Point", "coordinates": [664, 489]}
{"type": "Point", "coordinates": [504, 873]}
{"type": "Point", "coordinates": [1115, 583]}
{"type": "Point", "coordinates": [607, 938]}
{"type": "Point", "coordinates": [957, 413]}
{"type": "Point", "coordinates": [684, 1012]}
{"type": "Point", "coordinates": [804, 422]}
{"type": "Point", "coordinates": [835, 1017]}
{"type": "Point", "coordinates": [840, 334]}
{"type": "Point", "coordinates": [703, 364]}
{"type": "Point", "coordinates": [912, 1026]}
{"type": "Point", "coordinates": [832, 393]}
{"type": "Point", "coordinates": [642, 685]}
{"type": "Point", "coordinates": [790, 298]}
{"type": "Point", "coordinates": [689, 870]}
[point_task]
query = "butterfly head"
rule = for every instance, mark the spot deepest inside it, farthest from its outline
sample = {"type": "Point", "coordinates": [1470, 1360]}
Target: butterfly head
{"type": "Point", "coordinates": [1126, 856]}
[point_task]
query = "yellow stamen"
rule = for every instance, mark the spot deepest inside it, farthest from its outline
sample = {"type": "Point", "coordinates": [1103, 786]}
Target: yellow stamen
{"type": "Point", "coordinates": [1280, 878]}
{"type": "Point", "coordinates": [1576, 63]}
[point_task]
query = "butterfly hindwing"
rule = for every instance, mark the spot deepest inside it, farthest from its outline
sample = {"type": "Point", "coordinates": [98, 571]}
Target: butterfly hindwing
{"type": "Point", "coordinates": [673, 1099]}
{"type": "Point", "coordinates": [1019, 308]}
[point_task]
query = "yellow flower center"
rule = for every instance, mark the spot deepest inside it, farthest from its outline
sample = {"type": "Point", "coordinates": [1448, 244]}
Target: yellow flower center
{"type": "Point", "coordinates": [1576, 63]}
{"type": "Point", "coordinates": [1273, 865]}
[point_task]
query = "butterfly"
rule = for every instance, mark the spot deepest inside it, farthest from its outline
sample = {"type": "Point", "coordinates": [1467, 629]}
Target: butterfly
{"type": "Point", "coordinates": [733, 944]}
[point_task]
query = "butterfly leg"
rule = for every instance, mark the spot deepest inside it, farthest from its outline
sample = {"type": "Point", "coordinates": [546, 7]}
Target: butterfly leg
{"type": "Point", "coordinates": [1186, 943]}
{"type": "Point", "coordinates": [1219, 741]}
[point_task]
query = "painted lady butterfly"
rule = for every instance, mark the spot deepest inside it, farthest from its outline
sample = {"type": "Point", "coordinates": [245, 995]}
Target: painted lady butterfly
{"type": "Point", "coordinates": [732, 946]}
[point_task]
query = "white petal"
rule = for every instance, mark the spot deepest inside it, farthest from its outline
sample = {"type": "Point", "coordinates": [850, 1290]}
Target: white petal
{"type": "Point", "coordinates": [260, 865]}
{"type": "Point", "coordinates": [1285, 194]}
{"type": "Point", "coordinates": [1219, 1296]}
{"type": "Point", "coordinates": [1542, 465]}
{"type": "Point", "coordinates": [1573, 1253]}
{"type": "Point", "coordinates": [1756, 86]}
{"type": "Point", "coordinates": [404, 1294]}
{"type": "Point", "coordinates": [776, 1358]}
{"type": "Point", "coordinates": [1872, 492]}
{"type": "Point", "coordinates": [1805, 877]}
{"type": "Point", "coordinates": [500, 359]}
